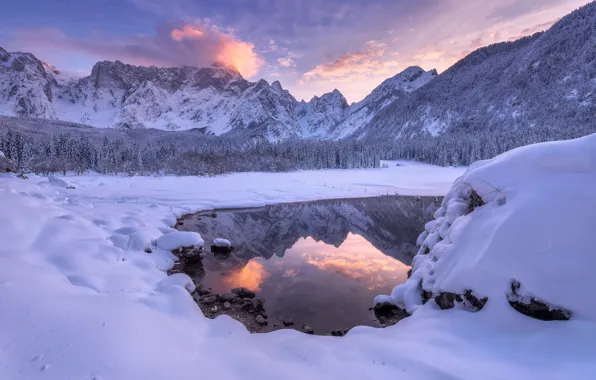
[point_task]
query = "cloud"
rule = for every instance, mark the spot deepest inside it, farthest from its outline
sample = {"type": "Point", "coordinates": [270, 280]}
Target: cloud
{"type": "Point", "coordinates": [286, 62]}
{"type": "Point", "coordinates": [355, 64]}
{"type": "Point", "coordinates": [187, 32]}
{"type": "Point", "coordinates": [182, 44]}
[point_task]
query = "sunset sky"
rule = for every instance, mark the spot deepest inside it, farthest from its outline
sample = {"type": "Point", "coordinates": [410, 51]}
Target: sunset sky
{"type": "Point", "coordinates": [310, 46]}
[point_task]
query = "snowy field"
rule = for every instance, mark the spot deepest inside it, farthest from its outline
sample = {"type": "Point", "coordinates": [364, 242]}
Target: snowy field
{"type": "Point", "coordinates": [80, 299]}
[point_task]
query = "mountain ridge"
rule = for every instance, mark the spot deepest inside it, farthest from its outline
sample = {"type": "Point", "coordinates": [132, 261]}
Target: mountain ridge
{"type": "Point", "coordinates": [214, 99]}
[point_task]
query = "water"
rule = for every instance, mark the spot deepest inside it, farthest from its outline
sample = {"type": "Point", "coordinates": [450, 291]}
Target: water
{"type": "Point", "coordinates": [318, 263]}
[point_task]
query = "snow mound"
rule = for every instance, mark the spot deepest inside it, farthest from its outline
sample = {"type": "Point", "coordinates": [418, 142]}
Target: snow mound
{"type": "Point", "coordinates": [223, 243]}
{"type": "Point", "coordinates": [524, 217]}
{"type": "Point", "coordinates": [179, 239]}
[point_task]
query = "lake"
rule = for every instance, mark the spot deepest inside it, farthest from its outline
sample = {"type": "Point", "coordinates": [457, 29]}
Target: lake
{"type": "Point", "coordinates": [317, 263]}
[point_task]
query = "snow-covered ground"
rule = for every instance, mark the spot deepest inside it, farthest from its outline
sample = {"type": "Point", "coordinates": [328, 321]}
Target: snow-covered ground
{"type": "Point", "coordinates": [80, 299]}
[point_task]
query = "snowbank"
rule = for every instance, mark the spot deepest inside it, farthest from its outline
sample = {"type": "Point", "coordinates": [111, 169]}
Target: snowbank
{"type": "Point", "coordinates": [532, 226]}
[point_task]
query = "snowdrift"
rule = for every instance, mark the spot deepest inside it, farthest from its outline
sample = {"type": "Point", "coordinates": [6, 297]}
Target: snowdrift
{"type": "Point", "coordinates": [514, 229]}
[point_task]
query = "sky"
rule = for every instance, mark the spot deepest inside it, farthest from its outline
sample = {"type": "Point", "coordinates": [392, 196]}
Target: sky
{"type": "Point", "coordinates": [310, 46]}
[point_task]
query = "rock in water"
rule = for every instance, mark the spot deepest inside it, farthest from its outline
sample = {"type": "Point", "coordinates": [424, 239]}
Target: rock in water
{"type": "Point", "coordinates": [307, 329]}
{"type": "Point", "coordinates": [221, 246]}
{"type": "Point", "coordinates": [261, 321]}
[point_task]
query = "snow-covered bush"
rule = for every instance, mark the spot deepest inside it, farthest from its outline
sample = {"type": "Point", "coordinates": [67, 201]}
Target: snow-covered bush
{"type": "Point", "coordinates": [520, 221]}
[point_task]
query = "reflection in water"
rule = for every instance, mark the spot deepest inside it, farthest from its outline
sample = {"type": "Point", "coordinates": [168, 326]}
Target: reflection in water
{"type": "Point", "coordinates": [319, 263]}
{"type": "Point", "coordinates": [355, 259]}
{"type": "Point", "coordinates": [251, 277]}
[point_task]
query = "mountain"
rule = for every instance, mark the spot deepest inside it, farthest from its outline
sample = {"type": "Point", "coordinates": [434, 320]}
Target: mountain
{"type": "Point", "coordinates": [215, 100]}
{"type": "Point", "coordinates": [539, 83]}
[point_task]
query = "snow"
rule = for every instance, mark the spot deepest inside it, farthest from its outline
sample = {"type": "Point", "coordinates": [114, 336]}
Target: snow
{"type": "Point", "coordinates": [535, 228]}
{"type": "Point", "coordinates": [77, 305]}
{"type": "Point", "coordinates": [179, 239]}
{"type": "Point", "coordinates": [219, 242]}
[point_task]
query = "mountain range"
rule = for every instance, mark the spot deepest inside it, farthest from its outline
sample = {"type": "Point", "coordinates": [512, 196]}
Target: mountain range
{"type": "Point", "coordinates": [215, 100]}
{"type": "Point", "coordinates": [543, 82]}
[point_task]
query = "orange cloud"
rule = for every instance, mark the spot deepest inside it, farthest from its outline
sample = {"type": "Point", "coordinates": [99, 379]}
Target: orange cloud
{"type": "Point", "coordinates": [187, 32]}
{"type": "Point", "coordinates": [355, 65]}
{"type": "Point", "coordinates": [207, 41]}
{"type": "Point", "coordinates": [241, 55]}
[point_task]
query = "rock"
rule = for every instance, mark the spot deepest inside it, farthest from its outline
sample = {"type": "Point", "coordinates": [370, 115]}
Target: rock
{"type": "Point", "coordinates": [218, 249]}
{"type": "Point", "coordinates": [261, 321]}
{"type": "Point", "coordinates": [238, 301]}
{"type": "Point", "coordinates": [227, 305]}
{"type": "Point", "coordinates": [533, 307]}
{"type": "Point", "coordinates": [148, 250]}
{"type": "Point", "coordinates": [307, 329]}
{"type": "Point", "coordinates": [221, 246]}
{"type": "Point", "coordinates": [230, 297]}
{"type": "Point", "coordinates": [389, 314]}
{"type": "Point", "coordinates": [258, 304]}
{"type": "Point", "coordinates": [468, 301]}
{"type": "Point", "coordinates": [244, 293]}
{"type": "Point", "coordinates": [288, 322]}
{"type": "Point", "coordinates": [337, 333]}
{"type": "Point", "coordinates": [410, 273]}
{"type": "Point", "coordinates": [247, 305]}
{"type": "Point", "coordinates": [475, 201]}
{"type": "Point", "coordinates": [210, 300]}
{"type": "Point", "coordinates": [202, 290]}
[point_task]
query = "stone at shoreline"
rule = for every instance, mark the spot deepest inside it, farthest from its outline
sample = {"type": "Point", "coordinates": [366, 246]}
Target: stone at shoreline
{"type": "Point", "coordinates": [258, 304]}
{"type": "Point", "coordinates": [388, 314]}
{"type": "Point", "coordinates": [202, 290]}
{"type": "Point", "coordinates": [227, 305]}
{"type": "Point", "coordinates": [209, 300]}
{"type": "Point", "coordinates": [288, 322]}
{"type": "Point", "coordinates": [244, 293]}
{"type": "Point", "coordinates": [261, 321]}
{"type": "Point", "coordinates": [230, 297]}
{"type": "Point", "coordinates": [307, 329]}
{"type": "Point", "coordinates": [337, 333]}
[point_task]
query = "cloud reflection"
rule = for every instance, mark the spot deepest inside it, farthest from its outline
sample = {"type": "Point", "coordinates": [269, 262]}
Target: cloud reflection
{"type": "Point", "coordinates": [251, 277]}
{"type": "Point", "coordinates": [356, 259]}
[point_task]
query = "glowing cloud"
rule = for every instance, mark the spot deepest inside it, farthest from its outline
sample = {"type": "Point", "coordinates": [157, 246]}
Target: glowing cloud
{"type": "Point", "coordinates": [251, 276]}
{"type": "Point", "coordinates": [354, 65]}
{"type": "Point", "coordinates": [188, 32]}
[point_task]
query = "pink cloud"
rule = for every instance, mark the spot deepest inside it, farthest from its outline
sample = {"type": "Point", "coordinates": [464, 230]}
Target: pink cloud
{"type": "Point", "coordinates": [187, 32]}
{"type": "Point", "coordinates": [193, 44]}
{"type": "Point", "coordinates": [355, 64]}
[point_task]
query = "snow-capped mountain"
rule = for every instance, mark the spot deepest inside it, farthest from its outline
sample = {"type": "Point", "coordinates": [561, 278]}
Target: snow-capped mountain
{"type": "Point", "coordinates": [25, 87]}
{"type": "Point", "coordinates": [542, 82]}
{"type": "Point", "coordinates": [216, 99]}
{"type": "Point", "coordinates": [392, 89]}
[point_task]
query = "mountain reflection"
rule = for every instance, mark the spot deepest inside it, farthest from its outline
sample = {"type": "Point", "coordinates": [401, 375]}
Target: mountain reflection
{"type": "Point", "coordinates": [321, 263]}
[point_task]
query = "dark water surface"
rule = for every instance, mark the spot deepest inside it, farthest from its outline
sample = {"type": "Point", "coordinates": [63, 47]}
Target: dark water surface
{"type": "Point", "coordinates": [318, 263]}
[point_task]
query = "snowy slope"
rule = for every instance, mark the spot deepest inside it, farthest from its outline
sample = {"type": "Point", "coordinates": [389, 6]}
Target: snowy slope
{"type": "Point", "coordinates": [81, 299]}
{"type": "Point", "coordinates": [392, 89]}
{"type": "Point", "coordinates": [216, 99]}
